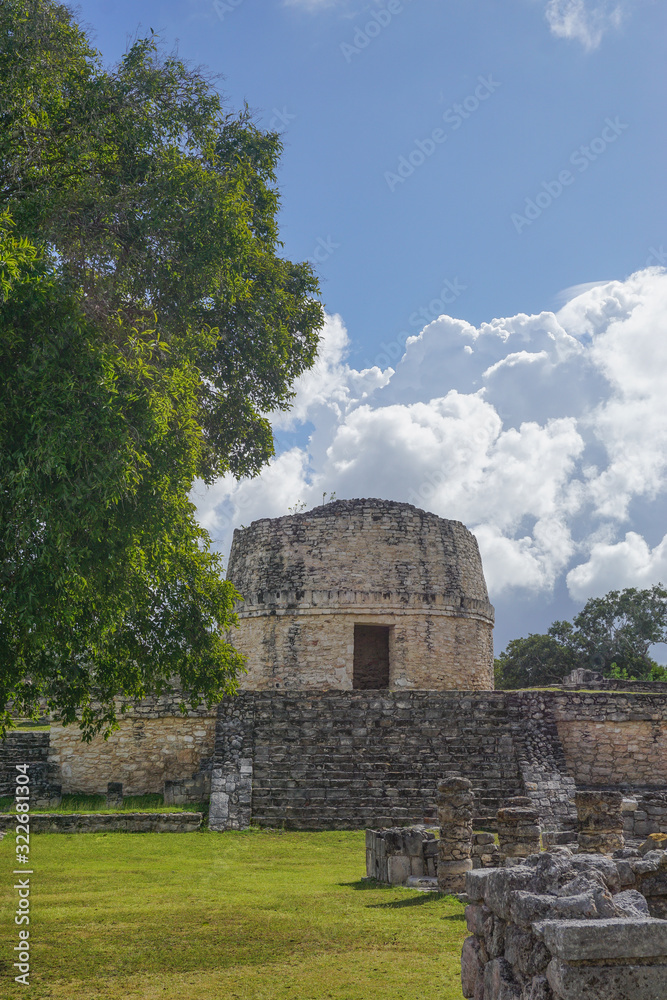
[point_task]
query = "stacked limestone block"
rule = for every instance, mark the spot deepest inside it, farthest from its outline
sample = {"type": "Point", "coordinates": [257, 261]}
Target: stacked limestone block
{"type": "Point", "coordinates": [455, 812]}
{"type": "Point", "coordinates": [563, 926]}
{"type": "Point", "coordinates": [485, 853]}
{"type": "Point", "coordinates": [649, 815]}
{"type": "Point", "coordinates": [599, 821]}
{"type": "Point", "coordinates": [519, 832]}
{"type": "Point", "coordinates": [395, 854]}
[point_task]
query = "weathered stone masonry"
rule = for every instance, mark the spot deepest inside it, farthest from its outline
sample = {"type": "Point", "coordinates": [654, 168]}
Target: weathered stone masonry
{"type": "Point", "coordinates": [355, 759]}
{"type": "Point", "coordinates": [154, 744]}
{"type": "Point", "coordinates": [308, 579]}
{"type": "Point", "coordinates": [361, 759]}
{"type": "Point", "coordinates": [21, 748]}
{"type": "Point", "coordinates": [567, 927]}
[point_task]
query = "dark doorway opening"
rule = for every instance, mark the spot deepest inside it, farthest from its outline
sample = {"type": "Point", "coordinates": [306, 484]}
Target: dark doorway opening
{"type": "Point", "coordinates": [371, 657]}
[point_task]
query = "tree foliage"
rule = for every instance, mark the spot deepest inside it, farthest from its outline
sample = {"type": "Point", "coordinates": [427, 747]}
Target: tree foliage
{"type": "Point", "coordinates": [534, 661]}
{"type": "Point", "coordinates": [158, 205]}
{"type": "Point", "coordinates": [148, 325]}
{"type": "Point", "coordinates": [611, 634]}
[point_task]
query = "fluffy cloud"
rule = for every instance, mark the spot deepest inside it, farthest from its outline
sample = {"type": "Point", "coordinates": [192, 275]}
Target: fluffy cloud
{"type": "Point", "coordinates": [586, 22]}
{"type": "Point", "coordinates": [632, 561]}
{"type": "Point", "coordinates": [545, 434]}
{"type": "Point", "coordinates": [330, 385]}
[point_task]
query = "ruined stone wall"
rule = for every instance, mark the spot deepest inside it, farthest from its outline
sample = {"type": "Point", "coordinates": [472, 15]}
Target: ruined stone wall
{"type": "Point", "coordinates": [127, 822]}
{"type": "Point", "coordinates": [153, 744]}
{"type": "Point", "coordinates": [307, 579]}
{"type": "Point", "coordinates": [567, 927]}
{"type": "Point", "coordinates": [607, 739]}
{"type": "Point", "coordinates": [355, 759]}
{"type": "Point", "coordinates": [601, 752]}
{"type": "Point", "coordinates": [23, 747]}
{"type": "Point", "coordinates": [365, 758]}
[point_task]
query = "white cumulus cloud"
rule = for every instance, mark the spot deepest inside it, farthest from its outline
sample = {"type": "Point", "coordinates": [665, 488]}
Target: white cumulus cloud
{"type": "Point", "coordinates": [545, 434]}
{"type": "Point", "coordinates": [630, 563]}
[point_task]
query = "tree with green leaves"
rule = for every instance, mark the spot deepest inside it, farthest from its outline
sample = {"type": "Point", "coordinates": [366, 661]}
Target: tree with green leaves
{"type": "Point", "coordinates": [534, 661]}
{"type": "Point", "coordinates": [611, 634]}
{"type": "Point", "coordinates": [619, 630]}
{"type": "Point", "coordinates": [148, 326]}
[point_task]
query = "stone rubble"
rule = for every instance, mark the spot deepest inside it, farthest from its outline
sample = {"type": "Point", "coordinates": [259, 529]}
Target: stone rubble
{"type": "Point", "coordinates": [564, 926]}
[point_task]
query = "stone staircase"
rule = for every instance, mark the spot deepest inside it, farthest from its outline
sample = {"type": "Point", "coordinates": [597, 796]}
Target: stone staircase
{"type": "Point", "coordinates": [24, 747]}
{"type": "Point", "coordinates": [355, 759]}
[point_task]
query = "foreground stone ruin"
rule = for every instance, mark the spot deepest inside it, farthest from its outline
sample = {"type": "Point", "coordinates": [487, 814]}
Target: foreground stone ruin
{"type": "Point", "coordinates": [565, 926]}
{"type": "Point", "coordinates": [600, 821]}
{"type": "Point", "coordinates": [455, 812]}
{"type": "Point", "coordinates": [398, 854]}
{"type": "Point", "coordinates": [587, 922]}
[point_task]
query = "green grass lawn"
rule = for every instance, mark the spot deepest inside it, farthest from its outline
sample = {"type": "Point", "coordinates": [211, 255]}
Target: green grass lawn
{"type": "Point", "coordinates": [258, 915]}
{"type": "Point", "coordinates": [98, 804]}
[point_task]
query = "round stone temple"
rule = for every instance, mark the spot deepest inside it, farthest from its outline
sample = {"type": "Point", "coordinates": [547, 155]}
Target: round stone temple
{"type": "Point", "coordinates": [367, 594]}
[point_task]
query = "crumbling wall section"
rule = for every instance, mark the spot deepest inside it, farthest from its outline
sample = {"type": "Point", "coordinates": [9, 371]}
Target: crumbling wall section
{"type": "Point", "coordinates": [544, 768]}
{"type": "Point", "coordinates": [565, 926]}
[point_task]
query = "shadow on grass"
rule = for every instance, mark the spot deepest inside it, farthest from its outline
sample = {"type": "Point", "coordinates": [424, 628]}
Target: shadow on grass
{"type": "Point", "coordinates": [366, 883]}
{"type": "Point", "coordinates": [398, 904]}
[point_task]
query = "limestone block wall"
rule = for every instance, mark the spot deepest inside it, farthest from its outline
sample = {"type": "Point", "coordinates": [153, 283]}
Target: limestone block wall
{"type": "Point", "coordinates": [306, 580]}
{"type": "Point", "coordinates": [632, 751]}
{"type": "Point", "coordinates": [153, 745]}
{"type": "Point", "coordinates": [127, 822]}
{"type": "Point", "coordinates": [355, 759]}
{"type": "Point", "coordinates": [599, 739]}
{"type": "Point", "coordinates": [23, 748]}
{"type": "Point", "coordinates": [315, 650]}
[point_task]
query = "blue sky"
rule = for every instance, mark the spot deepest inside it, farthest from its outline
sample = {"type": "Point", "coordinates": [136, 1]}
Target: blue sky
{"type": "Point", "coordinates": [455, 168]}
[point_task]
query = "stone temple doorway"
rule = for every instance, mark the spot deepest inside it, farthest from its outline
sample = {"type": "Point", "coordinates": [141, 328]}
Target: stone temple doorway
{"type": "Point", "coordinates": [371, 657]}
